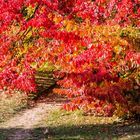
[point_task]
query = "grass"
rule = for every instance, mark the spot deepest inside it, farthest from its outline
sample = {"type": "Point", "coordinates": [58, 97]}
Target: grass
{"type": "Point", "coordinates": [10, 105]}
{"type": "Point", "coordinates": [76, 126]}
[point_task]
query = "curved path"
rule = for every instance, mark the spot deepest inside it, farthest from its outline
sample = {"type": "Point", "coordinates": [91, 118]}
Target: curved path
{"type": "Point", "coordinates": [21, 126]}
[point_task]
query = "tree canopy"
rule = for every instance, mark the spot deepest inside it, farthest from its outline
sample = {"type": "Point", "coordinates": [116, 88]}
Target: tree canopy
{"type": "Point", "coordinates": [92, 44]}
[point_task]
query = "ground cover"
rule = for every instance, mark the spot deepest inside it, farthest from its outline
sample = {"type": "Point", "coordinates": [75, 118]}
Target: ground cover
{"type": "Point", "coordinates": [46, 120]}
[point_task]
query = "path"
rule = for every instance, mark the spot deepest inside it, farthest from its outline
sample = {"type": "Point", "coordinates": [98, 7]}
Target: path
{"type": "Point", "coordinates": [24, 124]}
{"type": "Point", "coordinates": [21, 125]}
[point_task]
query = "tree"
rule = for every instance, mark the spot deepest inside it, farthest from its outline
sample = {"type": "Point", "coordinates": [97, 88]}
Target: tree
{"type": "Point", "coordinates": [91, 43]}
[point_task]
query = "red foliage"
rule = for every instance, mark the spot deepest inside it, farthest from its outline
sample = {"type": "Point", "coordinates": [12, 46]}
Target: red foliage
{"type": "Point", "coordinates": [63, 32]}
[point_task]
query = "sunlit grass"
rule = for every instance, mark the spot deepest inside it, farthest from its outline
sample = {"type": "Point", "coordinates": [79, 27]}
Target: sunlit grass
{"type": "Point", "coordinates": [76, 126]}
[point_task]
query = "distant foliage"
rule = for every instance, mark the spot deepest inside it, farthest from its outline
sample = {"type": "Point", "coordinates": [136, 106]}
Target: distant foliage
{"type": "Point", "coordinates": [92, 44]}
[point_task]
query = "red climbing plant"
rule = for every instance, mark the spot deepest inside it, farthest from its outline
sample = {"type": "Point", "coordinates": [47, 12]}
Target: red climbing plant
{"type": "Point", "coordinates": [92, 44]}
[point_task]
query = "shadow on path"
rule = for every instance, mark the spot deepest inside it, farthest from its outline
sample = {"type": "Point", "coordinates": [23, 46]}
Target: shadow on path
{"type": "Point", "coordinates": [89, 132]}
{"type": "Point", "coordinates": [22, 134]}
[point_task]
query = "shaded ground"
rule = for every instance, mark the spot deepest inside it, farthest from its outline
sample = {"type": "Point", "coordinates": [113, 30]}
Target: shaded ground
{"type": "Point", "coordinates": [88, 132]}
{"type": "Point", "coordinates": [96, 132]}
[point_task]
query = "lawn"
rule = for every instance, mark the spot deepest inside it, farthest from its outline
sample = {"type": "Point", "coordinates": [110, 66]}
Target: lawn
{"type": "Point", "coordinates": [74, 125]}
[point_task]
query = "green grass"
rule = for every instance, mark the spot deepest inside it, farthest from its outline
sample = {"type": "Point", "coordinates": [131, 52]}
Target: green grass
{"type": "Point", "coordinates": [76, 126]}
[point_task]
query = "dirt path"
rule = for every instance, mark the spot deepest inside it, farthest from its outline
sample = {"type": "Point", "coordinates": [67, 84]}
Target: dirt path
{"type": "Point", "coordinates": [21, 126]}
